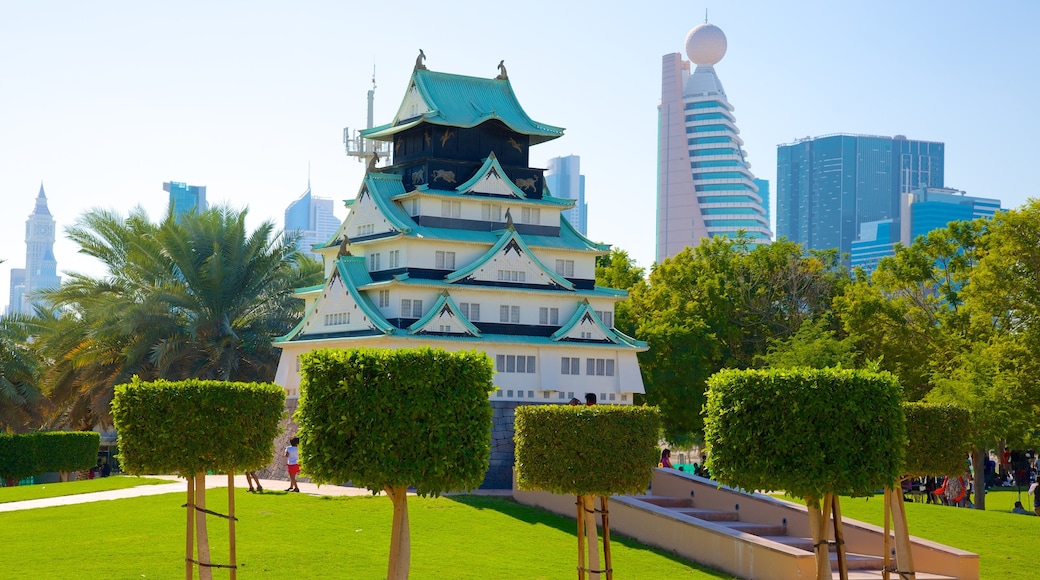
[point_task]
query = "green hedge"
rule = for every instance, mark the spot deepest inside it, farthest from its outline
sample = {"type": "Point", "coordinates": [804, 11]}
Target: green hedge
{"type": "Point", "coordinates": [402, 417]}
{"type": "Point", "coordinates": [17, 456]}
{"type": "Point", "coordinates": [938, 437]}
{"type": "Point", "coordinates": [805, 431]}
{"type": "Point", "coordinates": [66, 450]}
{"type": "Point", "coordinates": [194, 426]}
{"type": "Point", "coordinates": [599, 450]}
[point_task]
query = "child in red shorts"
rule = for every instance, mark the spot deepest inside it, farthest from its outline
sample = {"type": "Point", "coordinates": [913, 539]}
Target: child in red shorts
{"type": "Point", "coordinates": [292, 462]}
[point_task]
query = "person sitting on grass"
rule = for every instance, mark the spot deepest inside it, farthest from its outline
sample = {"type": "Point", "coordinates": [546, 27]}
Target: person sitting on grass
{"type": "Point", "coordinates": [1018, 509]}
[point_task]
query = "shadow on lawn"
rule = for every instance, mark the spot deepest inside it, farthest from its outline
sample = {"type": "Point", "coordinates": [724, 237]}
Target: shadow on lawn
{"type": "Point", "coordinates": [536, 516]}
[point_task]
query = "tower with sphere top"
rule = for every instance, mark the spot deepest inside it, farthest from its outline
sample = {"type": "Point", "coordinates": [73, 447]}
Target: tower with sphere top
{"type": "Point", "coordinates": [705, 184]}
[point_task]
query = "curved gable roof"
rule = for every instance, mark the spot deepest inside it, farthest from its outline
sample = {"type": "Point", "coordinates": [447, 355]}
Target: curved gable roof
{"type": "Point", "coordinates": [511, 241]}
{"type": "Point", "coordinates": [444, 305]}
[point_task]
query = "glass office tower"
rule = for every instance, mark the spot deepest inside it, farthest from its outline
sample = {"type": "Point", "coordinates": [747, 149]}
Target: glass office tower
{"type": "Point", "coordinates": [827, 187]}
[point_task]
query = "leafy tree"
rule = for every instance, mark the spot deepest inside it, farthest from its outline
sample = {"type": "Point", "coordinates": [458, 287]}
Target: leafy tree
{"type": "Point", "coordinates": [198, 296]}
{"type": "Point", "coordinates": [389, 419]}
{"type": "Point", "coordinates": [618, 270]}
{"type": "Point", "coordinates": [814, 345]}
{"type": "Point", "coordinates": [718, 306]}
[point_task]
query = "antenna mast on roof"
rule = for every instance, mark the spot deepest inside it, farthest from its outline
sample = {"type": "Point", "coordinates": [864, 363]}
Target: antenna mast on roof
{"type": "Point", "coordinates": [359, 147]}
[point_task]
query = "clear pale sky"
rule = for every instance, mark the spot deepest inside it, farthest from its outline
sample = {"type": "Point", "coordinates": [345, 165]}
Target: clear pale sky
{"type": "Point", "coordinates": [105, 101]}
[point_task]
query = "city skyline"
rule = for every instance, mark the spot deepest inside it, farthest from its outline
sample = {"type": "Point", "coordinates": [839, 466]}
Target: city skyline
{"type": "Point", "coordinates": [258, 92]}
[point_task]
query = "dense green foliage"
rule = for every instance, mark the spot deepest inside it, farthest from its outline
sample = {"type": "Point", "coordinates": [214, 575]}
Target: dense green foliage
{"type": "Point", "coordinates": [22, 455]}
{"type": "Point", "coordinates": [598, 450]}
{"type": "Point", "coordinates": [193, 297]}
{"type": "Point", "coordinates": [17, 456]}
{"type": "Point", "coordinates": [21, 402]}
{"type": "Point", "coordinates": [396, 417]}
{"type": "Point", "coordinates": [805, 431]}
{"type": "Point", "coordinates": [192, 426]}
{"type": "Point", "coordinates": [938, 437]}
{"type": "Point", "coordinates": [722, 305]}
{"type": "Point", "coordinates": [66, 450]}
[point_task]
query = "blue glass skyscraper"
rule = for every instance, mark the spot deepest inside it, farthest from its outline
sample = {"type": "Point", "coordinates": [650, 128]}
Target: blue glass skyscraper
{"type": "Point", "coordinates": [185, 198]}
{"type": "Point", "coordinates": [828, 186]}
{"type": "Point", "coordinates": [564, 179]}
{"type": "Point", "coordinates": [313, 220]}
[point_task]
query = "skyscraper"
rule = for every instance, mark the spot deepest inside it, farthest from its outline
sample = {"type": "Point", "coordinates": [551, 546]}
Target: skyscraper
{"type": "Point", "coordinates": [185, 198]}
{"type": "Point", "coordinates": [920, 211]}
{"type": "Point", "coordinates": [828, 186]}
{"type": "Point", "coordinates": [313, 218]}
{"type": "Point", "coordinates": [564, 180]}
{"type": "Point", "coordinates": [41, 269]}
{"type": "Point", "coordinates": [705, 187]}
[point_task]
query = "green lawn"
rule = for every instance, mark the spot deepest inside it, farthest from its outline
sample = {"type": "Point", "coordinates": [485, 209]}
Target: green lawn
{"type": "Point", "coordinates": [44, 490]}
{"type": "Point", "coordinates": [1006, 543]}
{"type": "Point", "coordinates": [299, 536]}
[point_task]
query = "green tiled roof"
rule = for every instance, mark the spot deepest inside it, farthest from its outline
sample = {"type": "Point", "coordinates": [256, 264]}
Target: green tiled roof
{"type": "Point", "coordinates": [464, 101]}
{"type": "Point", "coordinates": [613, 335]}
{"type": "Point", "coordinates": [406, 280]}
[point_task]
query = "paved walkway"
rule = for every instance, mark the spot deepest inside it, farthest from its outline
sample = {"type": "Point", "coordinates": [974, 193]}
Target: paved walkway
{"type": "Point", "coordinates": [177, 485]}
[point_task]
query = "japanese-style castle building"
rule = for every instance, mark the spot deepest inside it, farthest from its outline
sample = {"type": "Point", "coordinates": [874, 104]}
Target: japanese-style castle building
{"type": "Point", "coordinates": [458, 244]}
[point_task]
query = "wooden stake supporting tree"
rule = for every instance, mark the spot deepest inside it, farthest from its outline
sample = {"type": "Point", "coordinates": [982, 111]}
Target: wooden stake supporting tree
{"type": "Point", "coordinates": [938, 436]}
{"type": "Point", "coordinates": [189, 428]}
{"type": "Point", "coordinates": [590, 452]}
{"type": "Point", "coordinates": [814, 433]}
{"type": "Point", "coordinates": [388, 420]}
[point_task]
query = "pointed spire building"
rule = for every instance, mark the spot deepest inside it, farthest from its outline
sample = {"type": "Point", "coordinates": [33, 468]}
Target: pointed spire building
{"type": "Point", "coordinates": [41, 268]}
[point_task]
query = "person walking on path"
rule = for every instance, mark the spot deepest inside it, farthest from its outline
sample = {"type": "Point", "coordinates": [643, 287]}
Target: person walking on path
{"type": "Point", "coordinates": [250, 479]}
{"type": "Point", "coordinates": [292, 463]}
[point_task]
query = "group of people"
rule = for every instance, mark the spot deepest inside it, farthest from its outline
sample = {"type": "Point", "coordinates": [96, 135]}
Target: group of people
{"type": "Point", "coordinates": [292, 465]}
{"type": "Point", "coordinates": [698, 468]}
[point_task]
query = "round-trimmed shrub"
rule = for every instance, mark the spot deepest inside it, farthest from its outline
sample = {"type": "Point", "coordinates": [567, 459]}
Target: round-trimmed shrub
{"type": "Point", "coordinates": [938, 436]}
{"type": "Point", "coordinates": [805, 431]}
{"type": "Point", "coordinates": [194, 426]}
{"type": "Point", "coordinates": [599, 450]}
{"type": "Point", "coordinates": [396, 417]}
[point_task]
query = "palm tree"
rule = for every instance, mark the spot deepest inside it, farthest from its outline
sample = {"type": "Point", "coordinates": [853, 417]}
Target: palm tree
{"type": "Point", "coordinates": [21, 403]}
{"type": "Point", "coordinates": [198, 296]}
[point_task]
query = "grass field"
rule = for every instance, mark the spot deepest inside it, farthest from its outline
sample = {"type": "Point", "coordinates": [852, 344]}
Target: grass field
{"type": "Point", "coordinates": [44, 490]}
{"type": "Point", "coordinates": [284, 535]}
{"type": "Point", "coordinates": [1006, 543]}
{"type": "Point", "coordinates": [299, 536]}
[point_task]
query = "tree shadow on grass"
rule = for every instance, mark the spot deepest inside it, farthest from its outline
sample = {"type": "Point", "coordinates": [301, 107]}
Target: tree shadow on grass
{"type": "Point", "coordinates": [537, 516]}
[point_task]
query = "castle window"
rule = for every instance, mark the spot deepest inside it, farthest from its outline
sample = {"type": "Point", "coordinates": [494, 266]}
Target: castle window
{"type": "Point", "coordinates": [470, 310]}
{"type": "Point", "coordinates": [509, 363]}
{"type": "Point", "coordinates": [451, 209]}
{"type": "Point", "coordinates": [507, 313]}
{"type": "Point", "coordinates": [395, 259]}
{"type": "Point", "coordinates": [491, 212]}
{"type": "Point", "coordinates": [600, 367]}
{"type": "Point", "coordinates": [530, 215]}
{"type": "Point", "coordinates": [570, 366]}
{"type": "Point", "coordinates": [411, 308]}
{"type": "Point", "coordinates": [384, 298]}
{"type": "Point", "coordinates": [607, 317]}
{"type": "Point", "coordinates": [549, 316]}
{"type": "Point", "coordinates": [512, 276]}
{"type": "Point", "coordinates": [366, 229]}
{"type": "Point", "coordinates": [337, 319]}
{"type": "Point", "coordinates": [565, 268]}
{"type": "Point", "coordinates": [373, 262]}
{"type": "Point", "coordinates": [444, 260]}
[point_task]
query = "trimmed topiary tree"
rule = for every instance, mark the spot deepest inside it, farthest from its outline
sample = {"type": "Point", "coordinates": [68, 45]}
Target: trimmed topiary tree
{"type": "Point", "coordinates": [17, 457]}
{"type": "Point", "coordinates": [814, 433]}
{"type": "Point", "coordinates": [190, 427]}
{"type": "Point", "coordinates": [588, 452]}
{"type": "Point", "coordinates": [391, 419]}
{"type": "Point", "coordinates": [66, 451]}
{"type": "Point", "coordinates": [938, 436]}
